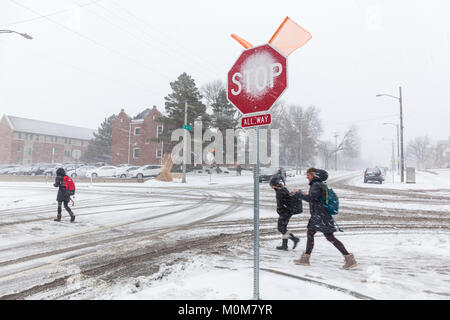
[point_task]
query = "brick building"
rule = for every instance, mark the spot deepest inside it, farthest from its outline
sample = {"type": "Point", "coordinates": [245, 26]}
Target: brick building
{"type": "Point", "coordinates": [133, 139]}
{"type": "Point", "coordinates": [27, 141]}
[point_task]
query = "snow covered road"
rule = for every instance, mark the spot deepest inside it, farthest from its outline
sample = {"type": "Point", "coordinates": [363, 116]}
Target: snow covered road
{"type": "Point", "coordinates": [173, 241]}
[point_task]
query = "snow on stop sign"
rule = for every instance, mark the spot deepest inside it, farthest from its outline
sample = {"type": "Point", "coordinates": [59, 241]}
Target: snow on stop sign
{"type": "Point", "coordinates": [257, 79]}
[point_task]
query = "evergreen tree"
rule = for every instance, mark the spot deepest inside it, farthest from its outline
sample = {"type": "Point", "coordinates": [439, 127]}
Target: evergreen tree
{"type": "Point", "coordinates": [184, 91]}
{"type": "Point", "coordinates": [99, 149]}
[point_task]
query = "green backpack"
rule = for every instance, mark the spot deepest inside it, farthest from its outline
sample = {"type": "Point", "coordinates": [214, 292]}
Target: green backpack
{"type": "Point", "coordinates": [331, 203]}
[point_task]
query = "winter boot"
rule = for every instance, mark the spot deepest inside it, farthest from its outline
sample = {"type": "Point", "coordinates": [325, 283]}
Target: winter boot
{"type": "Point", "coordinates": [284, 246]}
{"type": "Point", "coordinates": [294, 239]}
{"type": "Point", "coordinates": [58, 218]}
{"type": "Point", "coordinates": [350, 262]}
{"type": "Point", "coordinates": [304, 260]}
{"type": "Point", "coordinates": [72, 217]}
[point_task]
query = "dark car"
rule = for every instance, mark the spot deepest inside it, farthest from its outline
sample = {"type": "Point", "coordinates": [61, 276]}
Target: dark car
{"type": "Point", "coordinates": [266, 173]}
{"type": "Point", "coordinates": [38, 170]}
{"type": "Point", "coordinates": [373, 174]}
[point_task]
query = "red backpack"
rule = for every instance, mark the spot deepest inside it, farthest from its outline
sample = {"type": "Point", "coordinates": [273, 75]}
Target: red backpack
{"type": "Point", "coordinates": [69, 185]}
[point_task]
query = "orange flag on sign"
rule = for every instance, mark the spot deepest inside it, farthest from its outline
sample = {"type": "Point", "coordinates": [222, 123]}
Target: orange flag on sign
{"type": "Point", "coordinates": [243, 42]}
{"type": "Point", "coordinates": [289, 37]}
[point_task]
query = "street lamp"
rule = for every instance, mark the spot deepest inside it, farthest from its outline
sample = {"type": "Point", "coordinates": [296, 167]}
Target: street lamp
{"type": "Point", "coordinates": [392, 157]}
{"type": "Point", "coordinates": [402, 159]}
{"type": "Point", "coordinates": [398, 143]}
{"type": "Point", "coordinates": [26, 36]}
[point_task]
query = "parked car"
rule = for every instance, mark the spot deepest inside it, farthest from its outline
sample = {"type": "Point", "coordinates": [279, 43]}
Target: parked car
{"type": "Point", "coordinates": [373, 174]}
{"type": "Point", "coordinates": [7, 169]}
{"type": "Point", "coordinates": [266, 173]}
{"type": "Point", "coordinates": [52, 170]}
{"type": "Point", "coordinates": [145, 171]}
{"type": "Point", "coordinates": [39, 169]}
{"type": "Point", "coordinates": [80, 172]}
{"type": "Point", "coordinates": [122, 172]}
{"type": "Point", "coordinates": [105, 171]}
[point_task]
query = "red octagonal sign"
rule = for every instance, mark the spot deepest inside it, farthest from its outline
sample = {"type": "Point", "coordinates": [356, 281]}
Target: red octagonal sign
{"type": "Point", "coordinates": [257, 79]}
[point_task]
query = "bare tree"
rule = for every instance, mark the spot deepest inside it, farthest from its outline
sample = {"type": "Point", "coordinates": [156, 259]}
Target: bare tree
{"type": "Point", "coordinates": [347, 148]}
{"type": "Point", "coordinates": [419, 151]}
{"type": "Point", "coordinates": [211, 91]}
{"type": "Point", "coordinates": [299, 132]}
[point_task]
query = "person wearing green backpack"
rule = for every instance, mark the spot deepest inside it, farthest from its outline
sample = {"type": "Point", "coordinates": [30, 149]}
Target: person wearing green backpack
{"type": "Point", "coordinates": [321, 219]}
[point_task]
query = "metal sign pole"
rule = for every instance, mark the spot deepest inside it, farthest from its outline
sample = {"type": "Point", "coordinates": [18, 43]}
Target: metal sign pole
{"type": "Point", "coordinates": [256, 220]}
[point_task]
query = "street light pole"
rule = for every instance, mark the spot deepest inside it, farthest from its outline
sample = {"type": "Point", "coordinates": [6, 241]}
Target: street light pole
{"type": "Point", "coordinates": [402, 158]}
{"type": "Point", "coordinates": [335, 153]}
{"type": "Point", "coordinates": [398, 144]}
{"type": "Point", "coordinates": [26, 36]}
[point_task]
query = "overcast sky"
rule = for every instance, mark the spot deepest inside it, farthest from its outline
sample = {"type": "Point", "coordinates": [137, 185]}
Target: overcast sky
{"type": "Point", "coordinates": [90, 58]}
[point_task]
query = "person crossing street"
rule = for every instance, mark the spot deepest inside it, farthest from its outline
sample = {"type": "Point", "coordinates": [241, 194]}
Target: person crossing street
{"type": "Point", "coordinates": [320, 219]}
{"type": "Point", "coordinates": [63, 197]}
{"type": "Point", "coordinates": [284, 210]}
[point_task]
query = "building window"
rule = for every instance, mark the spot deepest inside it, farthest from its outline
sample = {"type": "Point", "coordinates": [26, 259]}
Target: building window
{"type": "Point", "coordinates": [36, 149]}
{"type": "Point", "coordinates": [20, 135]}
{"type": "Point", "coordinates": [30, 151]}
{"type": "Point", "coordinates": [19, 148]}
{"type": "Point", "coordinates": [82, 143]}
{"type": "Point", "coordinates": [137, 131]}
{"type": "Point", "coordinates": [158, 153]}
{"type": "Point", "coordinates": [53, 151]}
{"type": "Point", "coordinates": [37, 137]}
{"type": "Point", "coordinates": [136, 153]}
{"type": "Point", "coordinates": [160, 129]}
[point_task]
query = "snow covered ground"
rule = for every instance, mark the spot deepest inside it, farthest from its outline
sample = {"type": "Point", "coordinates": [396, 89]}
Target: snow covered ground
{"type": "Point", "coordinates": [400, 236]}
{"type": "Point", "coordinates": [396, 265]}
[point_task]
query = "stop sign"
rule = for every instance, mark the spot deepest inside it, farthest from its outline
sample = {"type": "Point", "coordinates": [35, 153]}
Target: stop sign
{"type": "Point", "coordinates": [257, 79]}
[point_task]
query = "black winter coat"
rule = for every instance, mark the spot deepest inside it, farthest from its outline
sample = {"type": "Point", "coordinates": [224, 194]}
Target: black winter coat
{"type": "Point", "coordinates": [320, 219]}
{"type": "Point", "coordinates": [283, 201]}
{"type": "Point", "coordinates": [63, 193]}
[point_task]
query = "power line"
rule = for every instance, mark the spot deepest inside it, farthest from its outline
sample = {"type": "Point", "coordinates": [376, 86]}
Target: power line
{"type": "Point", "coordinates": [50, 14]}
{"type": "Point", "coordinates": [116, 52]}
{"type": "Point", "coordinates": [142, 21]}
{"type": "Point", "coordinates": [141, 40]}
{"type": "Point", "coordinates": [363, 120]}
{"type": "Point", "coordinates": [139, 84]}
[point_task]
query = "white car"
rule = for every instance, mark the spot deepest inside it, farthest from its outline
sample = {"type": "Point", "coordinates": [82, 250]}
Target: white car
{"type": "Point", "coordinates": [122, 172]}
{"type": "Point", "coordinates": [145, 171]}
{"type": "Point", "coordinates": [80, 172]}
{"type": "Point", "coordinates": [105, 171]}
{"type": "Point", "coordinates": [7, 169]}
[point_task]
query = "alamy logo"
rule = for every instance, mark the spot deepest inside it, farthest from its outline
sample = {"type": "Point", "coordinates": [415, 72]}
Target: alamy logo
{"type": "Point", "coordinates": [241, 152]}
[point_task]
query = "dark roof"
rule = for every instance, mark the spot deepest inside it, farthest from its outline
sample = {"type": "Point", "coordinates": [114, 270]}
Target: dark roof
{"type": "Point", "coordinates": [49, 128]}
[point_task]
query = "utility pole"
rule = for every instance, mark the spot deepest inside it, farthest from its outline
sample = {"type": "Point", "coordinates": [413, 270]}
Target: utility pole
{"type": "Point", "coordinates": [402, 159]}
{"type": "Point", "coordinates": [398, 145]}
{"type": "Point", "coordinates": [393, 161]}
{"type": "Point", "coordinates": [336, 135]}
{"type": "Point", "coordinates": [185, 144]}
{"type": "Point", "coordinates": [299, 150]}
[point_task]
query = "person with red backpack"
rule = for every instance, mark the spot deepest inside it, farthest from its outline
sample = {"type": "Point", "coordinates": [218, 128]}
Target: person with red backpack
{"type": "Point", "coordinates": [66, 190]}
